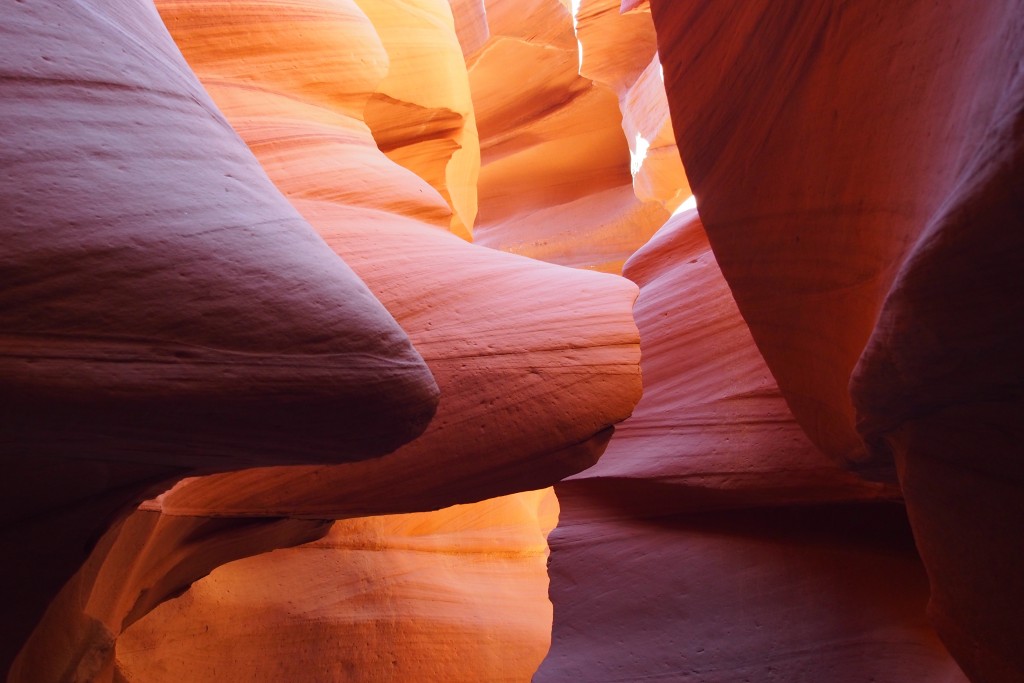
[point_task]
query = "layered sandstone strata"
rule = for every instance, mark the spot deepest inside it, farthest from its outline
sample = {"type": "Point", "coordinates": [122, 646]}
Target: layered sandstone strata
{"type": "Point", "coordinates": [165, 311]}
{"type": "Point", "coordinates": [171, 315]}
{"type": "Point", "coordinates": [454, 595]}
{"type": "Point", "coordinates": [527, 399]}
{"type": "Point", "coordinates": [741, 550]}
{"type": "Point", "coordinates": [556, 181]}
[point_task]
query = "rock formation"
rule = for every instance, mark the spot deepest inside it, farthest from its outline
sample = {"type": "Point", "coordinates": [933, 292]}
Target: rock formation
{"type": "Point", "coordinates": [268, 413]}
{"type": "Point", "coordinates": [166, 312]}
{"type": "Point", "coordinates": [859, 180]}
{"type": "Point", "coordinates": [527, 399]}
{"type": "Point", "coordinates": [454, 595]}
{"type": "Point", "coordinates": [737, 544]}
{"type": "Point", "coordinates": [555, 181]}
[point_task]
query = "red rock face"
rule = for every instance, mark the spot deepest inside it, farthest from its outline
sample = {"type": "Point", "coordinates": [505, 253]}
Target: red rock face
{"type": "Point", "coordinates": [712, 425]}
{"type": "Point", "coordinates": [939, 384]}
{"type": "Point", "coordinates": [181, 326]}
{"type": "Point", "coordinates": [727, 527]}
{"type": "Point", "coordinates": [801, 594]}
{"type": "Point", "coordinates": [811, 255]}
{"type": "Point", "coordinates": [859, 180]}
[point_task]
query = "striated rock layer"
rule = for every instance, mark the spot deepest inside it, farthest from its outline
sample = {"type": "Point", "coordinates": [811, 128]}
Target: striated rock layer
{"type": "Point", "coordinates": [454, 595]}
{"type": "Point", "coordinates": [726, 526]}
{"type": "Point", "coordinates": [421, 112]}
{"type": "Point", "coordinates": [556, 181]}
{"type": "Point", "coordinates": [527, 397]}
{"type": "Point", "coordinates": [797, 595]}
{"type": "Point", "coordinates": [859, 181]}
{"type": "Point", "coordinates": [712, 426]}
{"type": "Point", "coordinates": [165, 311]}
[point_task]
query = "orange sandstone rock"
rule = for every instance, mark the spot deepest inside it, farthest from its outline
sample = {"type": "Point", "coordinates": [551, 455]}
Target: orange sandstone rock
{"type": "Point", "coordinates": [555, 182]}
{"type": "Point", "coordinates": [471, 25]}
{"type": "Point", "coordinates": [421, 114]}
{"type": "Point", "coordinates": [454, 595]}
{"type": "Point", "coordinates": [297, 78]}
{"type": "Point", "coordinates": [615, 47]}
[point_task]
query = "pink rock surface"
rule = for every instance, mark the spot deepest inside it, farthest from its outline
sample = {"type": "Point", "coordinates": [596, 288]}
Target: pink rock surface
{"type": "Point", "coordinates": [809, 576]}
{"type": "Point", "coordinates": [940, 385]}
{"type": "Point", "coordinates": [712, 428]}
{"type": "Point", "coordinates": [820, 593]}
{"type": "Point", "coordinates": [522, 404]}
{"type": "Point", "coordinates": [529, 398]}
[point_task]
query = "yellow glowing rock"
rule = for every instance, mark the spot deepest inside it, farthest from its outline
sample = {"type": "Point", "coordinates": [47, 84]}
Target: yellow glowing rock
{"type": "Point", "coordinates": [657, 170]}
{"type": "Point", "coordinates": [613, 46]}
{"type": "Point", "coordinates": [454, 595]}
{"type": "Point", "coordinates": [421, 114]}
{"type": "Point", "coordinates": [555, 181]}
{"type": "Point", "coordinates": [297, 77]}
{"type": "Point", "coordinates": [616, 47]}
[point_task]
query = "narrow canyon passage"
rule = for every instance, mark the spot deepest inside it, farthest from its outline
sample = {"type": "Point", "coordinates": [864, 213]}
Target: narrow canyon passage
{"type": "Point", "coordinates": [389, 340]}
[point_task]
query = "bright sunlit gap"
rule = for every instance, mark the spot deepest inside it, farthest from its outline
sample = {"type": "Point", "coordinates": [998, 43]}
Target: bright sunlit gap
{"type": "Point", "coordinates": [689, 203]}
{"type": "Point", "coordinates": [637, 153]}
{"type": "Point", "coordinates": [575, 29]}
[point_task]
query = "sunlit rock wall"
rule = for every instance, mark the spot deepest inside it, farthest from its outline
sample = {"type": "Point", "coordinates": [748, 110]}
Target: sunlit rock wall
{"type": "Point", "coordinates": [556, 180]}
{"type": "Point", "coordinates": [454, 595]}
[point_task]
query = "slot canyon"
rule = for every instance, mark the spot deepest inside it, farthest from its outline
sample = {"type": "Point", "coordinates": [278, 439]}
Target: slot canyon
{"type": "Point", "coordinates": [462, 341]}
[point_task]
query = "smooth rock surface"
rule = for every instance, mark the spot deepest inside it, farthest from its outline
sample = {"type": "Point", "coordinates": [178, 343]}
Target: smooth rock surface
{"type": "Point", "coordinates": [454, 595]}
{"type": "Point", "coordinates": [814, 180]}
{"type": "Point", "coordinates": [712, 429]}
{"type": "Point", "coordinates": [529, 398]}
{"type": "Point", "coordinates": [165, 311]}
{"type": "Point", "coordinates": [799, 595]}
{"type": "Point", "coordinates": [555, 181]}
{"type": "Point", "coordinates": [870, 236]}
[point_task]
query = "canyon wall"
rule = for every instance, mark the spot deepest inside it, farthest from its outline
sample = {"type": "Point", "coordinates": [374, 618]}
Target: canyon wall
{"type": "Point", "coordinates": [859, 180]}
{"type": "Point", "coordinates": [293, 356]}
{"type": "Point", "coordinates": [527, 399]}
